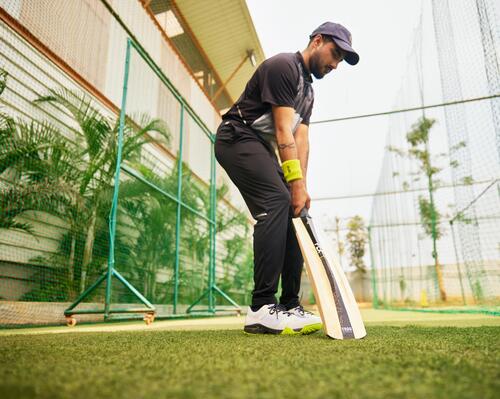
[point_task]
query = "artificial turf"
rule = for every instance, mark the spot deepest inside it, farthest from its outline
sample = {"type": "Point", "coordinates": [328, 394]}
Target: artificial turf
{"type": "Point", "coordinates": [392, 362]}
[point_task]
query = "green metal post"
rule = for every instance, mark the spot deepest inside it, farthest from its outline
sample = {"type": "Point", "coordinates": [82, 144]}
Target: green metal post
{"type": "Point", "coordinates": [212, 220]}
{"type": "Point", "coordinates": [213, 212]}
{"type": "Point", "coordinates": [111, 271]}
{"type": "Point", "coordinates": [114, 206]}
{"type": "Point", "coordinates": [179, 208]}
{"type": "Point", "coordinates": [374, 282]}
{"type": "Point", "coordinates": [86, 293]}
{"type": "Point", "coordinates": [126, 284]}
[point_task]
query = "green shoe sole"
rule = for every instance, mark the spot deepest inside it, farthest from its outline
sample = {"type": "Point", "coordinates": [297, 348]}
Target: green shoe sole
{"type": "Point", "coordinates": [259, 329]}
{"type": "Point", "coordinates": [310, 329]}
{"type": "Point", "coordinates": [289, 331]}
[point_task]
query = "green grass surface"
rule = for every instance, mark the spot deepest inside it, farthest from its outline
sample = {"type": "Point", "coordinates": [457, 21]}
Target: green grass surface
{"type": "Point", "coordinates": [392, 362]}
{"type": "Point", "coordinates": [370, 317]}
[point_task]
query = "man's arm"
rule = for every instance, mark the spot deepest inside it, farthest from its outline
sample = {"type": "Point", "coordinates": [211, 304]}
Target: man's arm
{"type": "Point", "coordinates": [289, 149]}
{"type": "Point", "coordinates": [302, 143]}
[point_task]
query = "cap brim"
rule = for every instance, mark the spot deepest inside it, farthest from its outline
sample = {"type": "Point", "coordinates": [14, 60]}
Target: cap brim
{"type": "Point", "coordinates": [351, 56]}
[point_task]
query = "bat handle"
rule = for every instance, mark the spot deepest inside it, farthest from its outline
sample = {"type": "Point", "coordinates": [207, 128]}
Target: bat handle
{"type": "Point", "coordinates": [304, 213]}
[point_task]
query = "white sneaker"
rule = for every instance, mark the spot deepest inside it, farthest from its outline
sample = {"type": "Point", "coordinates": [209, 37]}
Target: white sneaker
{"type": "Point", "coordinates": [314, 322]}
{"type": "Point", "coordinates": [274, 319]}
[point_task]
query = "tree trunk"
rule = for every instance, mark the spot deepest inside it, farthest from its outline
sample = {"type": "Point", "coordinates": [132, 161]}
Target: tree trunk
{"type": "Point", "coordinates": [146, 281]}
{"type": "Point", "coordinates": [89, 246]}
{"type": "Point", "coordinates": [439, 275]}
{"type": "Point", "coordinates": [152, 287]}
{"type": "Point", "coordinates": [71, 266]}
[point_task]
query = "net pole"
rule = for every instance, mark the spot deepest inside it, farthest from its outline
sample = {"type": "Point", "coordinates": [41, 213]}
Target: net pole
{"type": "Point", "coordinates": [178, 212]}
{"type": "Point", "coordinates": [114, 206]}
{"type": "Point", "coordinates": [213, 213]}
{"type": "Point", "coordinates": [457, 262]}
{"type": "Point", "coordinates": [373, 274]}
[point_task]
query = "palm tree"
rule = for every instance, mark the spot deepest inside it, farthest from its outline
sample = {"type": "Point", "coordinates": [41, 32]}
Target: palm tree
{"type": "Point", "coordinates": [153, 217]}
{"type": "Point", "coordinates": [40, 170]}
{"type": "Point", "coordinates": [148, 228]}
{"type": "Point", "coordinates": [97, 152]}
{"type": "Point", "coordinates": [30, 152]}
{"type": "Point", "coordinates": [36, 173]}
{"type": "Point", "coordinates": [3, 80]}
{"type": "Point", "coordinates": [151, 230]}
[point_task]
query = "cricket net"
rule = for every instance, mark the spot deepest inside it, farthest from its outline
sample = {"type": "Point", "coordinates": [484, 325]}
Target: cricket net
{"type": "Point", "coordinates": [434, 228]}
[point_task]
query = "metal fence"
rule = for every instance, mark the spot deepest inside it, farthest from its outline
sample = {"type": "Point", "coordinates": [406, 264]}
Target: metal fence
{"type": "Point", "coordinates": [109, 203]}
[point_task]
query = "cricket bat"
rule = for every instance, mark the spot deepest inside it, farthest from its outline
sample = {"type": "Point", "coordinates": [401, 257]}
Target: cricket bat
{"type": "Point", "coordinates": [337, 307]}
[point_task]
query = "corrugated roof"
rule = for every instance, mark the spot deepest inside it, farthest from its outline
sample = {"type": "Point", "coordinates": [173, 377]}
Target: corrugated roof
{"type": "Point", "coordinates": [225, 33]}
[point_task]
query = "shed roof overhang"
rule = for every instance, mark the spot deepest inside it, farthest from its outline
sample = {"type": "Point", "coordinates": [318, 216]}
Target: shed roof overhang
{"type": "Point", "coordinates": [224, 35]}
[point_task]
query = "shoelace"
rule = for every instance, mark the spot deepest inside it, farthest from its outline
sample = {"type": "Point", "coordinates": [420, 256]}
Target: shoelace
{"type": "Point", "coordinates": [276, 309]}
{"type": "Point", "coordinates": [302, 311]}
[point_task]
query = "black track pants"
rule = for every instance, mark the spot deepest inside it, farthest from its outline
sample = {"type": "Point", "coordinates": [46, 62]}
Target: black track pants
{"type": "Point", "coordinates": [253, 167]}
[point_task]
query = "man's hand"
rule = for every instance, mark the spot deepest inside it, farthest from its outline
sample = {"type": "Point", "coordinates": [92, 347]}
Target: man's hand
{"type": "Point", "coordinates": [300, 197]}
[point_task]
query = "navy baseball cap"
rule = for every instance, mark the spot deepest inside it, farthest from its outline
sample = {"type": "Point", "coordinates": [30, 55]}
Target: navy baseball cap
{"type": "Point", "coordinates": [342, 38]}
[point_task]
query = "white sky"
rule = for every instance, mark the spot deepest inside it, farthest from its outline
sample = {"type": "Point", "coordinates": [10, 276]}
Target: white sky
{"type": "Point", "coordinates": [346, 157]}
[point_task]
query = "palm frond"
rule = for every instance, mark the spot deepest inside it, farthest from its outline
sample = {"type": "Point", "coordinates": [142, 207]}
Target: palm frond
{"type": "Point", "coordinates": [8, 223]}
{"type": "Point", "coordinates": [44, 196]}
{"type": "Point", "coordinates": [93, 125]}
{"type": "Point", "coordinates": [7, 126]}
{"type": "Point", "coordinates": [3, 79]}
{"type": "Point", "coordinates": [136, 136]}
{"type": "Point", "coordinates": [16, 200]}
{"type": "Point", "coordinates": [27, 144]}
{"type": "Point", "coordinates": [154, 125]}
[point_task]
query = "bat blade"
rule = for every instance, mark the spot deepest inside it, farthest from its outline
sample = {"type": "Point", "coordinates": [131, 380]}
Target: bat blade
{"type": "Point", "coordinates": [337, 305]}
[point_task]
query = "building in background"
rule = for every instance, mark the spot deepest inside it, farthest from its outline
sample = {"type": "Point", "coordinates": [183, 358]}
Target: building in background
{"type": "Point", "coordinates": [80, 46]}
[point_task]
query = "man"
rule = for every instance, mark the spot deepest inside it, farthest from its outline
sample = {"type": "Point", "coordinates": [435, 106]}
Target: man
{"type": "Point", "coordinates": [273, 114]}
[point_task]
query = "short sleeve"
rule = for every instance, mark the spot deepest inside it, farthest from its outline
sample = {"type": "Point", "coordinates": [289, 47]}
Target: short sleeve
{"type": "Point", "coordinates": [278, 82]}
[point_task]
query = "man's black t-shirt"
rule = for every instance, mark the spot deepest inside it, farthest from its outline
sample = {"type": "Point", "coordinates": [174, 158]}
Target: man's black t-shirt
{"type": "Point", "coordinates": [282, 80]}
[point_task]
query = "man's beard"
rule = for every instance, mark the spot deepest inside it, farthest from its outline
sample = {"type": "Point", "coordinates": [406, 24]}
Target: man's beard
{"type": "Point", "coordinates": [315, 68]}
